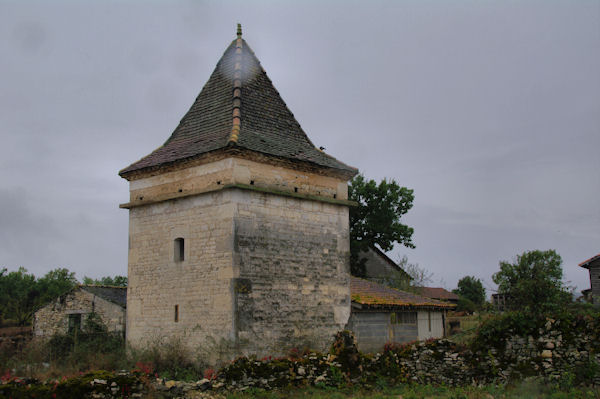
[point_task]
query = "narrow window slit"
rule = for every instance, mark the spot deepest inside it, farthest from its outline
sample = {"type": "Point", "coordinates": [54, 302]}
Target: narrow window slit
{"type": "Point", "coordinates": [176, 318]}
{"type": "Point", "coordinates": [179, 250]}
{"type": "Point", "coordinates": [295, 189]}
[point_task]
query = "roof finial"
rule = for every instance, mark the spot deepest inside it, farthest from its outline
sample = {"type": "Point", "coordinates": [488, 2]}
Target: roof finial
{"type": "Point", "coordinates": [239, 30]}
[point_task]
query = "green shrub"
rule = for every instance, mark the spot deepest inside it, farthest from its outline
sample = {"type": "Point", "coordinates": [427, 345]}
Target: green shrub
{"type": "Point", "coordinates": [170, 358]}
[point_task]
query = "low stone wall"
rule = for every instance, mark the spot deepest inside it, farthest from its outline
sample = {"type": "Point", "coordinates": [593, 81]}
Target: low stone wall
{"type": "Point", "coordinates": [556, 355]}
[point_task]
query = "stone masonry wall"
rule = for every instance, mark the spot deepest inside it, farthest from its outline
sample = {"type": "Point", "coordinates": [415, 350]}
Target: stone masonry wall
{"type": "Point", "coordinates": [292, 266]}
{"type": "Point", "coordinates": [53, 318]}
{"type": "Point", "coordinates": [260, 266]}
{"type": "Point", "coordinates": [200, 285]}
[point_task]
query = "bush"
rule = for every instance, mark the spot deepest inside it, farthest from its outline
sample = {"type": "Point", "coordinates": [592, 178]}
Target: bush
{"type": "Point", "coordinates": [83, 346]}
{"type": "Point", "coordinates": [171, 359]}
{"type": "Point", "coordinates": [465, 305]}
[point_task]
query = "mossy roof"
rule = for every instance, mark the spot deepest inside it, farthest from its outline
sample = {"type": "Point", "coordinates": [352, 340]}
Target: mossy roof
{"type": "Point", "coordinates": [373, 295]}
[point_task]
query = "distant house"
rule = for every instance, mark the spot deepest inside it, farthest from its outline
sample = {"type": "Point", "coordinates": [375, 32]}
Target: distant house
{"type": "Point", "coordinates": [593, 266]}
{"type": "Point", "coordinates": [382, 314]}
{"type": "Point", "coordinates": [441, 294]}
{"type": "Point", "coordinates": [381, 269]}
{"type": "Point", "coordinates": [68, 312]}
{"type": "Point", "coordinates": [500, 301]}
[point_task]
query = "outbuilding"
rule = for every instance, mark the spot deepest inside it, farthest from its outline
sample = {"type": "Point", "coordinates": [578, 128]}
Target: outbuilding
{"type": "Point", "coordinates": [68, 312]}
{"type": "Point", "coordinates": [381, 314]}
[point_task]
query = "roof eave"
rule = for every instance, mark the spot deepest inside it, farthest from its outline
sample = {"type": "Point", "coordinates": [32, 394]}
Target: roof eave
{"type": "Point", "coordinates": [383, 306]}
{"type": "Point", "coordinates": [130, 173]}
{"type": "Point", "coordinates": [587, 263]}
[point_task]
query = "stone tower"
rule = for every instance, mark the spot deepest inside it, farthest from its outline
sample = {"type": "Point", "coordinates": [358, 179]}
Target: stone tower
{"type": "Point", "coordinates": [238, 225]}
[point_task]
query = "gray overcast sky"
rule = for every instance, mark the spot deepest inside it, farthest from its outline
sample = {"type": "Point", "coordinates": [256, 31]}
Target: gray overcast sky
{"type": "Point", "coordinates": [490, 111]}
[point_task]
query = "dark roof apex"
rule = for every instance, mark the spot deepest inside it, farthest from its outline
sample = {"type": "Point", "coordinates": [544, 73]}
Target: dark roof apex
{"type": "Point", "coordinates": [238, 107]}
{"type": "Point", "coordinates": [587, 263]}
{"type": "Point", "coordinates": [117, 295]}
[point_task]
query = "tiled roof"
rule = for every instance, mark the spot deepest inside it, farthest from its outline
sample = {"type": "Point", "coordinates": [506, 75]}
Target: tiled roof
{"type": "Point", "coordinates": [438, 293]}
{"type": "Point", "coordinates": [116, 295]}
{"type": "Point", "coordinates": [586, 263]}
{"type": "Point", "coordinates": [371, 294]}
{"type": "Point", "coordinates": [238, 107]}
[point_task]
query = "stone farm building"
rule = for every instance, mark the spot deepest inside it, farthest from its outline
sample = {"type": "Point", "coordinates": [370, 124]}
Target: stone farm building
{"type": "Point", "coordinates": [238, 224]}
{"type": "Point", "coordinates": [68, 312]}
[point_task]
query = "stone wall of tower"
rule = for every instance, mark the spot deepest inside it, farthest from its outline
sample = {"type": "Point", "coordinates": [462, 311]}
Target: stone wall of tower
{"type": "Point", "coordinates": [222, 172]}
{"type": "Point", "coordinates": [291, 260]}
{"type": "Point", "coordinates": [262, 272]}
{"type": "Point", "coordinates": [200, 285]}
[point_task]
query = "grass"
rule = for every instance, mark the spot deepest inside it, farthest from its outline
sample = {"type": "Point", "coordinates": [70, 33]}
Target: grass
{"type": "Point", "coordinates": [523, 390]}
{"type": "Point", "coordinates": [468, 327]}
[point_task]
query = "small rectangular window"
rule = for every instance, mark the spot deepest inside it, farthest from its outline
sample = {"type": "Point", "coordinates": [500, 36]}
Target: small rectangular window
{"type": "Point", "coordinates": [179, 250]}
{"type": "Point", "coordinates": [176, 318]}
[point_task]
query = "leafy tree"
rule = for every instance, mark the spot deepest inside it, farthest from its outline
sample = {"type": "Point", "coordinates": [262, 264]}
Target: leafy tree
{"type": "Point", "coordinates": [472, 289]}
{"type": "Point", "coordinates": [55, 283]}
{"type": "Point", "coordinates": [533, 282]}
{"type": "Point", "coordinates": [18, 292]}
{"type": "Point", "coordinates": [117, 281]}
{"type": "Point", "coordinates": [376, 219]}
{"type": "Point", "coordinates": [466, 305]}
{"type": "Point", "coordinates": [21, 294]}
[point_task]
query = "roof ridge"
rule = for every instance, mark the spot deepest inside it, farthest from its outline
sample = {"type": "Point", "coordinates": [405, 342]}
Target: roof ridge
{"type": "Point", "coordinates": [237, 89]}
{"type": "Point", "coordinates": [101, 286]}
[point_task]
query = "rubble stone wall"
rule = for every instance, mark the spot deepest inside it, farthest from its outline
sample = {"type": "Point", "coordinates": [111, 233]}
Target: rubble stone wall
{"type": "Point", "coordinates": [54, 317]}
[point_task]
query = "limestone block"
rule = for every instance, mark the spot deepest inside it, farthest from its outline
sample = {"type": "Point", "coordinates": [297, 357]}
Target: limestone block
{"type": "Point", "coordinates": [546, 354]}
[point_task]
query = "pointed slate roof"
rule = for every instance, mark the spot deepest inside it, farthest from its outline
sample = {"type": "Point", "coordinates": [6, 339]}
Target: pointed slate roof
{"type": "Point", "coordinates": [238, 108]}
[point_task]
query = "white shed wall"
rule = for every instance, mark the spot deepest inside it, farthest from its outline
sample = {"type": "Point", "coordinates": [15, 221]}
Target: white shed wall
{"type": "Point", "coordinates": [433, 329]}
